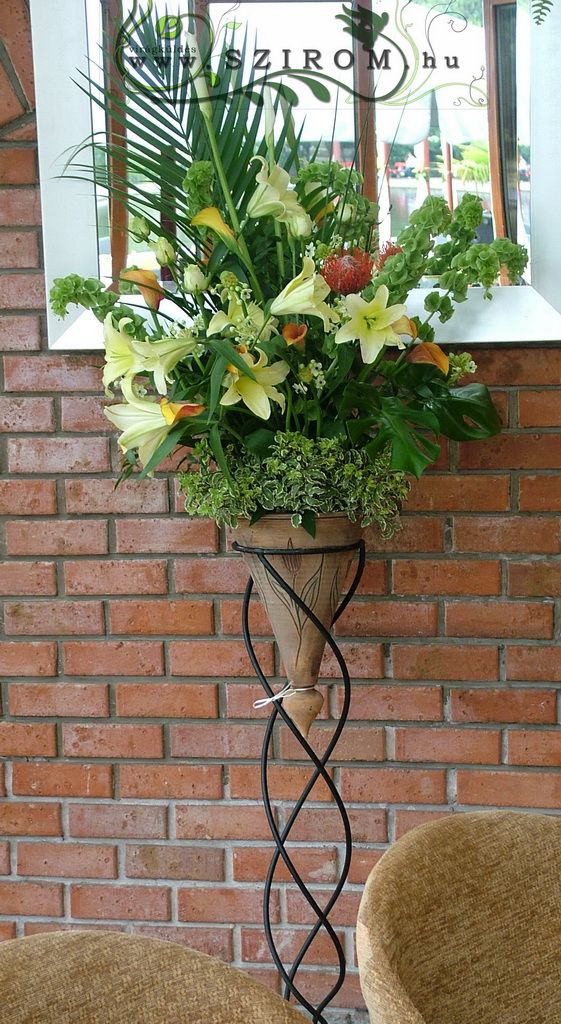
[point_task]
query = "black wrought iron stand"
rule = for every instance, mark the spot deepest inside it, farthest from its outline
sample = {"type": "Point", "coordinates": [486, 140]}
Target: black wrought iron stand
{"type": "Point", "coordinates": [320, 771]}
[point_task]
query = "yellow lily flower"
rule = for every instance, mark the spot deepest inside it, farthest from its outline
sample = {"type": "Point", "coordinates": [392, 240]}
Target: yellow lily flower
{"type": "Point", "coordinates": [256, 393]}
{"type": "Point", "coordinates": [237, 322]}
{"type": "Point", "coordinates": [211, 218]}
{"type": "Point", "coordinates": [274, 198]}
{"type": "Point", "coordinates": [120, 358]}
{"type": "Point", "coordinates": [145, 423]}
{"type": "Point", "coordinates": [305, 294]}
{"type": "Point", "coordinates": [374, 324]}
{"type": "Point", "coordinates": [147, 284]}
{"type": "Point", "coordinates": [160, 357]}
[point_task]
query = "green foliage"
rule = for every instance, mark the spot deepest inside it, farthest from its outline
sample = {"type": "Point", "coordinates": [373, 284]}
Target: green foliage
{"type": "Point", "coordinates": [540, 10]}
{"type": "Point", "coordinates": [198, 184]}
{"type": "Point", "coordinates": [81, 291]}
{"type": "Point", "coordinates": [298, 475]}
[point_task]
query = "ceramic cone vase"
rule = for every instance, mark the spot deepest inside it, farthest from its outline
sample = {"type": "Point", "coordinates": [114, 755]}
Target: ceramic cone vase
{"type": "Point", "coordinates": [317, 576]}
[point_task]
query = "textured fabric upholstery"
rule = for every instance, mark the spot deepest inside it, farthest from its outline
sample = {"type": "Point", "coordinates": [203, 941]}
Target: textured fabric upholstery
{"type": "Point", "coordinates": [105, 978]}
{"type": "Point", "coordinates": [460, 923]}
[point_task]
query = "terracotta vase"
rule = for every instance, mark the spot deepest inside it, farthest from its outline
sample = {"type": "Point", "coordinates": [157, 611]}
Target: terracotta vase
{"type": "Point", "coordinates": [316, 578]}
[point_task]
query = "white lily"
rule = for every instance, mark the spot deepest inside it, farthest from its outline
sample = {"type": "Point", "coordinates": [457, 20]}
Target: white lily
{"type": "Point", "coordinates": [237, 322]}
{"type": "Point", "coordinates": [256, 393]}
{"type": "Point", "coordinates": [374, 324]}
{"type": "Point", "coordinates": [121, 359]}
{"type": "Point", "coordinates": [144, 422]}
{"type": "Point", "coordinates": [160, 357]}
{"type": "Point", "coordinates": [274, 198]}
{"type": "Point", "coordinates": [306, 294]}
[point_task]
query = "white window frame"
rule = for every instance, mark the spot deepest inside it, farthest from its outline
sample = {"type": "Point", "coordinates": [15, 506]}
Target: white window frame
{"type": "Point", "coordinates": [525, 315]}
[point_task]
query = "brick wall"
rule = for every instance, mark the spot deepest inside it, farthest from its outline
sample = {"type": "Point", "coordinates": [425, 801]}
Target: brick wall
{"type": "Point", "coordinates": [128, 746]}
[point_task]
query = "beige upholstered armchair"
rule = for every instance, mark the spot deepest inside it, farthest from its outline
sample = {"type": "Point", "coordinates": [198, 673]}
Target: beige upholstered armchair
{"type": "Point", "coordinates": [111, 978]}
{"type": "Point", "coordinates": [460, 923]}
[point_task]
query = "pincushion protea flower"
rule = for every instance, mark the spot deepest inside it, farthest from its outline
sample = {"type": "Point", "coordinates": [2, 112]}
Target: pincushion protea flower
{"type": "Point", "coordinates": [348, 270]}
{"type": "Point", "coordinates": [388, 249]}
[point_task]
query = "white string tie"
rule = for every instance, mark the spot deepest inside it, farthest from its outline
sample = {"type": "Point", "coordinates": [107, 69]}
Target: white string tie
{"type": "Point", "coordinates": [286, 691]}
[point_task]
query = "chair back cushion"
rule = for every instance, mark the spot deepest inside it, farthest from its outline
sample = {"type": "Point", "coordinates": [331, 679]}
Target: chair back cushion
{"type": "Point", "coordinates": [460, 923]}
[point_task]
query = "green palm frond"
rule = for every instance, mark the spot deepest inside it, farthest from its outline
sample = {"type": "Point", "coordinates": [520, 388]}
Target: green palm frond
{"type": "Point", "coordinates": [540, 9]}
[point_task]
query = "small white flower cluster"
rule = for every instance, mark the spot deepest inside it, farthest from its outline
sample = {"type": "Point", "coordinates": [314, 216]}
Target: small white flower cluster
{"type": "Point", "coordinates": [231, 288]}
{"type": "Point", "coordinates": [311, 250]}
{"type": "Point", "coordinates": [311, 373]}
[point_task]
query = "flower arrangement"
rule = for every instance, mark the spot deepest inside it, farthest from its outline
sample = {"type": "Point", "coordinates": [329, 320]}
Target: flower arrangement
{"type": "Point", "coordinates": [288, 373]}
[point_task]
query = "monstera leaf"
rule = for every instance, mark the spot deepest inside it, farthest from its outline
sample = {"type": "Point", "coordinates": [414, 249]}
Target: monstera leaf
{"type": "Point", "coordinates": [467, 414]}
{"type": "Point", "coordinates": [405, 430]}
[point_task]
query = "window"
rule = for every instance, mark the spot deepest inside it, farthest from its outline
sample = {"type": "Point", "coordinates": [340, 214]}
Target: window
{"type": "Point", "coordinates": [429, 130]}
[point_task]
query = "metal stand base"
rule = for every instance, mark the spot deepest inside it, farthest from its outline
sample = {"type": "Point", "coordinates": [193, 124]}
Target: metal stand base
{"type": "Point", "coordinates": [288, 975]}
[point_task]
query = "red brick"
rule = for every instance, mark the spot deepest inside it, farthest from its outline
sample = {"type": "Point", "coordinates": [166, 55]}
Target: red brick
{"type": "Point", "coordinates": [539, 408]}
{"type": "Point", "coordinates": [407, 820]}
{"type": "Point", "coordinates": [166, 536]}
{"type": "Point", "coordinates": [450, 577]}
{"type": "Point", "coordinates": [364, 661]}
{"type": "Point", "coordinates": [117, 741]}
{"type": "Point", "coordinates": [286, 782]}
{"type": "Point", "coordinates": [120, 902]}
{"type": "Point", "coordinates": [83, 700]}
{"type": "Point", "coordinates": [288, 942]}
{"type": "Point", "coordinates": [509, 789]}
{"type": "Point", "coordinates": [2, 783]}
{"type": "Point", "coordinates": [27, 740]}
{"type": "Point", "coordinates": [55, 779]}
{"type": "Point", "coordinates": [237, 905]}
{"type": "Point", "coordinates": [114, 576]}
{"type": "Point", "coordinates": [67, 860]}
{"type": "Point", "coordinates": [26, 578]}
{"type": "Point", "coordinates": [36, 899]}
{"type": "Point", "coordinates": [172, 781]}
{"type": "Point", "coordinates": [513, 451]}
{"type": "Point", "coordinates": [217, 658]}
{"type": "Point", "coordinates": [185, 863]}
{"type": "Point", "coordinates": [32, 537]}
{"type": "Point", "coordinates": [461, 746]}
{"type": "Point", "coordinates": [362, 863]}
{"type": "Point", "coordinates": [368, 825]}
{"type": "Point", "coordinates": [526, 534]}
{"type": "Point", "coordinates": [394, 785]}
{"type": "Point", "coordinates": [5, 858]}
{"type": "Point", "coordinates": [210, 575]}
{"type": "Point", "coordinates": [534, 664]}
{"type": "Point", "coordinates": [27, 819]}
{"type": "Point", "coordinates": [394, 703]}
{"type": "Point", "coordinates": [162, 618]}
{"type": "Point", "coordinates": [357, 743]}
{"type": "Point", "coordinates": [7, 930]}
{"type": "Point", "coordinates": [58, 455]}
{"type": "Point", "coordinates": [504, 706]}
{"type": "Point", "coordinates": [113, 658]}
{"type": "Point", "coordinates": [52, 373]}
{"type": "Point", "coordinates": [84, 414]}
{"type": "Point", "coordinates": [21, 333]}
{"type": "Point", "coordinates": [11, 106]}
{"type": "Point", "coordinates": [15, 32]}
{"type": "Point", "coordinates": [19, 248]}
{"type": "Point", "coordinates": [217, 740]}
{"type": "Point", "coordinates": [22, 291]}
{"type": "Point", "coordinates": [513, 366]}
{"type": "Point", "coordinates": [374, 578]}
{"type": "Point", "coordinates": [344, 912]}
{"type": "Point", "coordinates": [222, 821]}
{"type": "Point", "coordinates": [316, 984]}
{"type": "Point", "coordinates": [535, 748]}
{"type": "Point", "coordinates": [27, 659]}
{"type": "Point", "coordinates": [418, 534]}
{"type": "Point", "coordinates": [53, 618]}
{"type": "Point", "coordinates": [500, 401]}
{"type": "Point", "coordinates": [541, 494]}
{"type": "Point", "coordinates": [214, 941]}
{"type": "Point", "coordinates": [24, 415]}
{"type": "Point", "coordinates": [27, 497]}
{"type": "Point", "coordinates": [504, 619]}
{"type": "Point", "coordinates": [167, 700]}
{"type": "Point", "coordinates": [95, 497]}
{"type": "Point", "coordinates": [534, 579]}
{"type": "Point", "coordinates": [389, 618]}
{"type": "Point", "coordinates": [20, 207]}
{"type": "Point", "coordinates": [460, 493]}
{"type": "Point", "coordinates": [120, 821]}
{"type": "Point", "coordinates": [316, 865]}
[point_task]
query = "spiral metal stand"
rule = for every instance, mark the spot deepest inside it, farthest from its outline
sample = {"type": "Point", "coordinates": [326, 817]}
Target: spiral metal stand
{"type": "Point", "coordinates": [320, 771]}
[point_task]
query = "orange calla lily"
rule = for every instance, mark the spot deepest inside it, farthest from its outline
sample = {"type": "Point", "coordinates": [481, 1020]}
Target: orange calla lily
{"type": "Point", "coordinates": [174, 411]}
{"type": "Point", "coordinates": [211, 218]}
{"type": "Point", "coordinates": [429, 352]}
{"type": "Point", "coordinates": [147, 284]}
{"type": "Point", "coordinates": [294, 334]}
{"type": "Point", "coordinates": [405, 326]}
